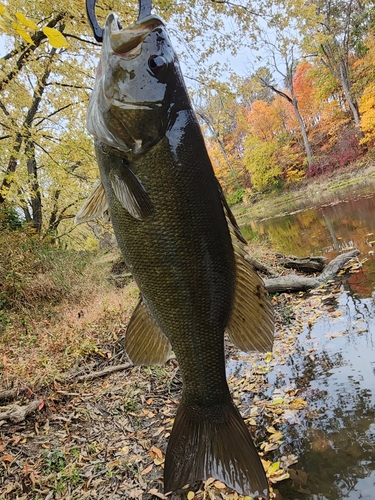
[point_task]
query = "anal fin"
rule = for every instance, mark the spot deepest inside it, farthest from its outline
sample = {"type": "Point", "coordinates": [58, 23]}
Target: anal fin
{"type": "Point", "coordinates": [145, 343]}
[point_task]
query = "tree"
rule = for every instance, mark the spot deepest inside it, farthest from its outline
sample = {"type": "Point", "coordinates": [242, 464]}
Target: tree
{"type": "Point", "coordinates": [334, 37]}
{"type": "Point", "coordinates": [284, 63]}
{"type": "Point", "coordinates": [261, 162]}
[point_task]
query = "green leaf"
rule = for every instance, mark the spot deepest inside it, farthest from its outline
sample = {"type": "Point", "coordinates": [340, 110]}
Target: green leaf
{"type": "Point", "coordinates": [273, 468]}
{"type": "Point", "coordinates": [55, 37]}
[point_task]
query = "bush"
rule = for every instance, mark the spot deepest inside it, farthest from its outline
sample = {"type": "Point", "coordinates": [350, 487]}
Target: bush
{"type": "Point", "coordinates": [347, 149]}
{"type": "Point", "coordinates": [9, 218]}
{"type": "Point", "coordinates": [33, 272]}
{"type": "Point", "coordinates": [235, 197]}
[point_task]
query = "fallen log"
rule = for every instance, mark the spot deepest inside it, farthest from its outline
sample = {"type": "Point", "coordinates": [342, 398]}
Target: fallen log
{"type": "Point", "coordinates": [259, 266]}
{"type": "Point", "coordinates": [296, 283]}
{"type": "Point", "coordinates": [305, 265]}
{"type": "Point", "coordinates": [8, 394]}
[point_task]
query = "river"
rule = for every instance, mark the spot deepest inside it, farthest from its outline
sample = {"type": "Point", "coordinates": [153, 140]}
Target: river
{"type": "Point", "coordinates": [333, 361]}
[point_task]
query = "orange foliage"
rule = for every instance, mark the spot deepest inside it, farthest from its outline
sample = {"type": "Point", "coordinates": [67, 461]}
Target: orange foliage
{"type": "Point", "coordinates": [306, 94]}
{"type": "Point", "coordinates": [265, 120]}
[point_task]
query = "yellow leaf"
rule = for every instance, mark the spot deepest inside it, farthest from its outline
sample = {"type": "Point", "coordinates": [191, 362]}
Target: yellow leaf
{"type": "Point", "coordinates": [190, 495]}
{"type": "Point", "coordinates": [158, 461]}
{"type": "Point", "coordinates": [55, 38]}
{"type": "Point", "coordinates": [298, 404]}
{"type": "Point", "coordinates": [23, 20]}
{"type": "Point", "coordinates": [276, 436]}
{"type": "Point", "coordinates": [4, 12]}
{"type": "Point", "coordinates": [273, 468]}
{"type": "Point", "coordinates": [219, 485]}
{"type": "Point", "coordinates": [23, 33]}
{"type": "Point", "coordinates": [281, 477]}
{"type": "Point", "coordinates": [278, 401]}
{"type": "Point", "coordinates": [268, 357]}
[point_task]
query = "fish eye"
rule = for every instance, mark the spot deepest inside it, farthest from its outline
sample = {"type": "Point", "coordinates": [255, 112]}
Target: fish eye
{"type": "Point", "coordinates": [156, 63]}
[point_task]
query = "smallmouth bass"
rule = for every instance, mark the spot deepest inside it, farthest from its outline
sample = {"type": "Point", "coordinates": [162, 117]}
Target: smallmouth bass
{"type": "Point", "coordinates": [183, 247]}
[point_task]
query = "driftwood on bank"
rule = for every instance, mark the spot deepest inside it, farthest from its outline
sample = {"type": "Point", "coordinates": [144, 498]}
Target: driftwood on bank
{"type": "Point", "coordinates": [8, 394]}
{"type": "Point", "coordinates": [258, 266]}
{"type": "Point", "coordinates": [305, 265]}
{"type": "Point", "coordinates": [296, 283]}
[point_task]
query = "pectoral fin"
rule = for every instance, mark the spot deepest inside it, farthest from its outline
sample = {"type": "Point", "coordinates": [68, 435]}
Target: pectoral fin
{"type": "Point", "coordinates": [95, 206]}
{"type": "Point", "coordinates": [251, 324]}
{"type": "Point", "coordinates": [145, 343]}
{"type": "Point", "coordinates": [131, 193]}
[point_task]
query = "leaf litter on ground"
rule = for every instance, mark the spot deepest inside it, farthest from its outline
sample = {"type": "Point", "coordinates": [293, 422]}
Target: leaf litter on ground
{"type": "Point", "coordinates": [107, 437]}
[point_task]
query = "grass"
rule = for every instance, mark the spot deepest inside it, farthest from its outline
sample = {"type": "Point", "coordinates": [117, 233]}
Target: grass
{"type": "Point", "coordinates": [57, 308]}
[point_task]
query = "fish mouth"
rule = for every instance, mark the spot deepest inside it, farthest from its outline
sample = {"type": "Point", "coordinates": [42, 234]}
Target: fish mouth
{"type": "Point", "coordinates": [127, 41]}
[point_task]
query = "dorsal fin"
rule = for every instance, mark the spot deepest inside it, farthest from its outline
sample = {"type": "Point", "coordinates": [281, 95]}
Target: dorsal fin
{"type": "Point", "coordinates": [251, 324]}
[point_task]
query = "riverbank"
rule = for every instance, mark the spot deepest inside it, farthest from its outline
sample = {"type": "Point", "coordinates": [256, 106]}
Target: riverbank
{"type": "Point", "coordinates": [311, 191]}
{"type": "Point", "coordinates": [99, 427]}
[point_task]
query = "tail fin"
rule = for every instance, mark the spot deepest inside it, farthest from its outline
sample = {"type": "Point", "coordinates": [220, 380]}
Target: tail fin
{"type": "Point", "coordinates": [215, 444]}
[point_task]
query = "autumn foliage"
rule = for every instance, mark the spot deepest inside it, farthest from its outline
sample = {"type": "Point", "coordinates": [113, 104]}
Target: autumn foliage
{"type": "Point", "coordinates": [271, 147]}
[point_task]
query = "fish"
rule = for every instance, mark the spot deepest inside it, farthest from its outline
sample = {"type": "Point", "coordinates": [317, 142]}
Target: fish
{"type": "Point", "coordinates": [183, 247]}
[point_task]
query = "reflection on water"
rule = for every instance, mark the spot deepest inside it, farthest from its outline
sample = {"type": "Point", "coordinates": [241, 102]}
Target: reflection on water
{"type": "Point", "coordinates": [336, 226]}
{"type": "Point", "coordinates": [334, 360]}
{"type": "Point", "coordinates": [335, 438]}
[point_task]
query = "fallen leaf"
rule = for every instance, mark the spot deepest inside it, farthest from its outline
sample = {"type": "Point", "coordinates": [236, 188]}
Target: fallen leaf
{"type": "Point", "coordinates": [273, 468]}
{"type": "Point", "coordinates": [276, 436]}
{"type": "Point", "coordinates": [219, 485]}
{"type": "Point", "coordinates": [154, 491]}
{"type": "Point", "coordinates": [157, 452]}
{"type": "Point", "coordinates": [135, 493]}
{"type": "Point", "coordinates": [7, 458]}
{"type": "Point", "coordinates": [147, 470]}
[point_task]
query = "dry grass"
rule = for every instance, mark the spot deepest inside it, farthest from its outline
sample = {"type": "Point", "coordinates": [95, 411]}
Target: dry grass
{"type": "Point", "coordinates": [57, 308]}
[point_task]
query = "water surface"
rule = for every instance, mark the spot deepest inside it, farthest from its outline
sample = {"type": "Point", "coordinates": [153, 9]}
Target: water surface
{"type": "Point", "coordinates": [333, 363]}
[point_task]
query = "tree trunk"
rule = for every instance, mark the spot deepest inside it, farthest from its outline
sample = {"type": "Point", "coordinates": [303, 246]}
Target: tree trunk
{"type": "Point", "coordinates": [36, 198]}
{"type": "Point", "coordinates": [302, 126]}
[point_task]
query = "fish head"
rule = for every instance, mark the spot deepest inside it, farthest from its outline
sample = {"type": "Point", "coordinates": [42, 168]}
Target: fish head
{"type": "Point", "coordinates": [135, 89]}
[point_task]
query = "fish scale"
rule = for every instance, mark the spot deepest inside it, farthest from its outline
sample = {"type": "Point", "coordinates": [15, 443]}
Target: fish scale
{"type": "Point", "coordinates": [183, 247]}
